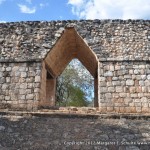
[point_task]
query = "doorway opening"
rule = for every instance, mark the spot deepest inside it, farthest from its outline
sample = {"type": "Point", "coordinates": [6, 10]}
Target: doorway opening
{"type": "Point", "coordinates": [70, 46]}
{"type": "Point", "coordinates": [75, 86]}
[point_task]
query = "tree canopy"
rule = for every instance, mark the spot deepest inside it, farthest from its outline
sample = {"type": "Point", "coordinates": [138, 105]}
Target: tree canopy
{"type": "Point", "coordinates": [75, 86]}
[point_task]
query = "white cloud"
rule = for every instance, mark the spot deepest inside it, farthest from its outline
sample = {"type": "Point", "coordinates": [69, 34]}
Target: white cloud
{"type": "Point", "coordinates": [76, 2]}
{"type": "Point", "coordinates": [26, 9]}
{"type": "Point", "coordinates": [2, 21]}
{"type": "Point", "coordinates": [43, 5]}
{"type": "Point", "coordinates": [111, 9]}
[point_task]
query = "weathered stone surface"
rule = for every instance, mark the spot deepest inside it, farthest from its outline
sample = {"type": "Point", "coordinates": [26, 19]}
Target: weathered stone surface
{"type": "Point", "coordinates": [103, 36]}
{"type": "Point", "coordinates": [130, 90]}
{"type": "Point", "coordinates": [124, 67]}
{"type": "Point", "coordinates": [14, 86]}
{"type": "Point", "coordinates": [43, 132]}
{"type": "Point", "coordinates": [129, 82]}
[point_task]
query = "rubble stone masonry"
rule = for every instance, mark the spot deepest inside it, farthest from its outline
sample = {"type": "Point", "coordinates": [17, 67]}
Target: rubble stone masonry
{"type": "Point", "coordinates": [125, 86]}
{"type": "Point", "coordinates": [121, 47]}
{"type": "Point", "coordinates": [19, 84]}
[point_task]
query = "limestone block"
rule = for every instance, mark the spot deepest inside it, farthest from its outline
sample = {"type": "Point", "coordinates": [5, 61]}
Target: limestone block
{"type": "Point", "coordinates": [139, 109]}
{"type": "Point", "coordinates": [108, 74]}
{"type": "Point", "coordinates": [17, 73]}
{"type": "Point", "coordinates": [3, 68]}
{"type": "Point", "coordinates": [8, 68]}
{"type": "Point", "coordinates": [109, 84]}
{"type": "Point", "coordinates": [128, 100]}
{"type": "Point", "coordinates": [117, 67]}
{"type": "Point", "coordinates": [103, 83]}
{"type": "Point", "coordinates": [1, 74]}
{"type": "Point", "coordinates": [21, 97]}
{"type": "Point", "coordinates": [36, 90]}
{"type": "Point", "coordinates": [143, 77]}
{"type": "Point", "coordinates": [141, 83]}
{"type": "Point", "coordinates": [31, 73]}
{"type": "Point", "coordinates": [123, 83]}
{"type": "Point", "coordinates": [137, 100]}
{"type": "Point", "coordinates": [122, 109]}
{"type": "Point", "coordinates": [148, 77]}
{"type": "Point", "coordinates": [110, 109]}
{"type": "Point", "coordinates": [22, 91]}
{"type": "Point", "coordinates": [5, 86]}
{"type": "Point", "coordinates": [30, 85]}
{"type": "Point", "coordinates": [103, 90]}
{"type": "Point", "coordinates": [138, 77]}
{"type": "Point", "coordinates": [37, 78]}
{"type": "Point", "coordinates": [22, 69]}
{"type": "Point", "coordinates": [7, 98]}
{"type": "Point", "coordinates": [134, 95]}
{"type": "Point", "coordinates": [131, 104]}
{"type": "Point", "coordinates": [111, 68]}
{"type": "Point", "coordinates": [122, 94]}
{"type": "Point", "coordinates": [145, 105]}
{"type": "Point", "coordinates": [2, 97]}
{"type": "Point", "coordinates": [23, 74]}
{"type": "Point", "coordinates": [142, 66]}
{"type": "Point", "coordinates": [116, 83]}
{"type": "Point", "coordinates": [22, 80]}
{"type": "Point", "coordinates": [115, 95]}
{"type": "Point", "coordinates": [132, 109]}
{"type": "Point", "coordinates": [129, 82]}
{"type": "Point", "coordinates": [38, 72]}
{"type": "Point", "coordinates": [108, 96]}
{"type": "Point", "coordinates": [114, 78]}
{"type": "Point", "coordinates": [28, 91]}
{"type": "Point", "coordinates": [144, 89]}
{"type": "Point", "coordinates": [127, 76]}
{"type": "Point", "coordinates": [8, 79]}
{"type": "Point", "coordinates": [36, 85]}
{"type": "Point", "coordinates": [30, 96]}
{"type": "Point", "coordinates": [37, 97]}
{"type": "Point", "coordinates": [30, 80]}
{"type": "Point", "coordinates": [2, 80]}
{"type": "Point", "coordinates": [102, 78]}
{"type": "Point", "coordinates": [111, 89]}
{"type": "Point", "coordinates": [147, 83]}
{"type": "Point", "coordinates": [130, 71]}
{"type": "Point", "coordinates": [132, 89]}
{"type": "Point", "coordinates": [138, 104]}
{"type": "Point", "coordinates": [116, 109]}
{"type": "Point", "coordinates": [145, 109]}
{"type": "Point", "coordinates": [119, 89]}
{"type": "Point", "coordinates": [23, 86]}
{"type": "Point", "coordinates": [144, 100]}
{"type": "Point", "coordinates": [136, 71]}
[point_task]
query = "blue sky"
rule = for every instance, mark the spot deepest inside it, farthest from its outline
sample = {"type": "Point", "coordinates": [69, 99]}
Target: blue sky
{"type": "Point", "coordinates": [23, 10]}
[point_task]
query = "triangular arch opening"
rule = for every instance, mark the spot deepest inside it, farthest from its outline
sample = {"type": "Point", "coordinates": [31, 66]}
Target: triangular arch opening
{"type": "Point", "coordinates": [75, 86]}
{"type": "Point", "coordinates": [69, 46]}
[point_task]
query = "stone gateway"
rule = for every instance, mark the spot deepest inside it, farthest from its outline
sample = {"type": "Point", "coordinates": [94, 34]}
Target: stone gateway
{"type": "Point", "coordinates": [115, 52]}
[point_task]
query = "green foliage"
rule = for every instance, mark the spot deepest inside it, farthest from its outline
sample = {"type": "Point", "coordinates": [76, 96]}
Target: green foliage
{"type": "Point", "coordinates": [72, 87]}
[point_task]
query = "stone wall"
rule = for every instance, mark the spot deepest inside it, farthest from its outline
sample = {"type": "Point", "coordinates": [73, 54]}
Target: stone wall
{"type": "Point", "coordinates": [69, 132]}
{"type": "Point", "coordinates": [125, 86]}
{"type": "Point", "coordinates": [109, 39]}
{"type": "Point", "coordinates": [19, 84]}
{"type": "Point", "coordinates": [121, 46]}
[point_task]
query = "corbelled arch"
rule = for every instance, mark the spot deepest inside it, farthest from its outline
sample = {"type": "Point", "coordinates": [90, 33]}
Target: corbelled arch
{"type": "Point", "coordinates": [68, 47]}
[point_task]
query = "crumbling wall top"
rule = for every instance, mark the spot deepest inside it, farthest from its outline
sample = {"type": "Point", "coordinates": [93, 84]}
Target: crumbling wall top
{"type": "Point", "coordinates": [109, 39]}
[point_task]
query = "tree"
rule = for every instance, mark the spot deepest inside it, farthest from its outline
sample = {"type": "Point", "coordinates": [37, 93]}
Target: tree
{"type": "Point", "coordinates": [74, 86]}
